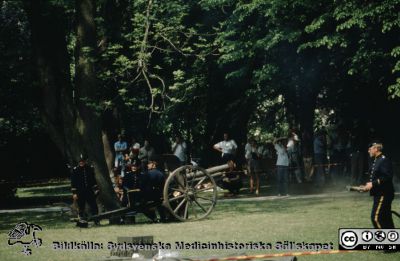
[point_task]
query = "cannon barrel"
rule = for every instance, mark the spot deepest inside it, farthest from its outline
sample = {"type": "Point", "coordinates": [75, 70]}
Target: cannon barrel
{"type": "Point", "coordinates": [217, 168]}
{"type": "Point", "coordinates": [213, 171]}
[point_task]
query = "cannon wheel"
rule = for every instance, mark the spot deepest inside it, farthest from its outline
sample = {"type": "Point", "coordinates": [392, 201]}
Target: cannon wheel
{"type": "Point", "coordinates": [190, 193]}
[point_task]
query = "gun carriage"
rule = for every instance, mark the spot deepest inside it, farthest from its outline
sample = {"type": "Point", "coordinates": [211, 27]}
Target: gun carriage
{"type": "Point", "coordinates": [190, 192]}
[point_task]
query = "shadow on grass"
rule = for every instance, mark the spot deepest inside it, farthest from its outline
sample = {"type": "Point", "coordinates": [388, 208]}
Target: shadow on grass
{"type": "Point", "coordinates": [38, 196]}
{"type": "Point", "coordinates": [49, 219]}
{"type": "Point", "coordinates": [38, 201]}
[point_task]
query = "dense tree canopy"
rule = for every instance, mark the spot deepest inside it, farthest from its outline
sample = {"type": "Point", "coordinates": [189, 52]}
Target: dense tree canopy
{"type": "Point", "coordinates": [82, 72]}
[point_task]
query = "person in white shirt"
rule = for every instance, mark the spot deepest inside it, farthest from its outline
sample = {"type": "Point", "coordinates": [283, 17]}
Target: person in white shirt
{"type": "Point", "coordinates": [253, 164]}
{"type": "Point", "coordinates": [227, 147]}
{"type": "Point", "coordinates": [179, 149]}
{"type": "Point", "coordinates": [282, 166]}
{"type": "Point", "coordinates": [231, 179]}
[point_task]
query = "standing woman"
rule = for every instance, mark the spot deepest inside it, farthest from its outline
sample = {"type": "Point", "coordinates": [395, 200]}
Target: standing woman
{"type": "Point", "coordinates": [282, 166]}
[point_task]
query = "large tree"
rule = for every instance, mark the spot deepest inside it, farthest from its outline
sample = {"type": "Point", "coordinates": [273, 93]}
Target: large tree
{"type": "Point", "coordinates": [68, 106]}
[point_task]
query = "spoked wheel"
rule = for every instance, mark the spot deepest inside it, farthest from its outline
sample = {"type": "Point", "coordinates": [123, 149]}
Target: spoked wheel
{"type": "Point", "coordinates": [190, 193]}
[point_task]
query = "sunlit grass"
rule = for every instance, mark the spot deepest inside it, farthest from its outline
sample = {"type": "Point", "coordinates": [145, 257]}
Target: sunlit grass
{"type": "Point", "coordinates": [309, 220]}
{"type": "Point", "coordinates": [59, 189]}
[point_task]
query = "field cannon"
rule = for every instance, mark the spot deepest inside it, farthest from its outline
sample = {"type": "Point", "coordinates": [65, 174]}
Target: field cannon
{"type": "Point", "coordinates": [190, 193]}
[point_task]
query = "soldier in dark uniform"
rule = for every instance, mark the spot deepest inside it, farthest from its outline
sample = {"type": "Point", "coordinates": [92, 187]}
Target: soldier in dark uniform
{"type": "Point", "coordinates": [133, 176]}
{"type": "Point", "coordinates": [152, 186]}
{"type": "Point", "coordinates": [84, 189]}
{"type": "Point", "coordinates": [132, 184]}
{"type": "Point", "coordinates": [380, 187]}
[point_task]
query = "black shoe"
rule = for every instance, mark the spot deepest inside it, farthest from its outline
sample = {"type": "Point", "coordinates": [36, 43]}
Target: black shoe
{"type": "Point", "coordinates": [82, 224]}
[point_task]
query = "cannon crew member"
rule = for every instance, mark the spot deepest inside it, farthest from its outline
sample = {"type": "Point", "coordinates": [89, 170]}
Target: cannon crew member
{"type": "Point", "coordinates": [380, 187]}
{"type": "Point", "coordinates": [132, 184]}
{"type": "Point", "coordinates": [152, 185]}
{"type": "Point", "coordinates": [84, 188]}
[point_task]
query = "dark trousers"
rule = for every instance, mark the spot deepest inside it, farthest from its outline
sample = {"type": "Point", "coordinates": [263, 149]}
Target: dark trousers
{"type": "Point", "coordinates": [151, 213]}
{"type": "Point", "coordinates": [294, 163]}
{"type": "Point", "coordinates": [231, 181]}
{"type": "Point", "coordinates": [89, 197]}
{"type": "Point", "coordinates": [381, 215]}
{"type": "Point", "coordinates": [154, 197]}
{"type": "Point", "coordinates": [320, 161]}
{"type": "Point", "coordinates": [283, 173]}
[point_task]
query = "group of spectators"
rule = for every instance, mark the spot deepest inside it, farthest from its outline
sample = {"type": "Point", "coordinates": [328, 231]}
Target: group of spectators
{"type": "Point", "coordinates": [137, 175]}
{"type": "Point", "coordinates": [259, 158]}
{"type": "Point", "coordinates": [125, 155]}
{"type": "Point", "coordinates": [332, 157]}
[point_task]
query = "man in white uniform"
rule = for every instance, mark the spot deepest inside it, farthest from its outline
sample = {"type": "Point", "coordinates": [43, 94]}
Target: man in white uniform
{"type": "Point", "coordinates": [231, 180]}
{"type": "Point", "coordinates": [227, 147]}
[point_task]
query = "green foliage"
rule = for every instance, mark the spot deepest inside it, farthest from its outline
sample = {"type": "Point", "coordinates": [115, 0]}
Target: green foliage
{"type": "Point", "coordinates": [154, 64]}
{"type": "Point", "coordinates": [200, 67]}
{"type": "Point", "coordinates": [264, 49]}
{"type": "Point", "coordinates": [137, 64]}
{"type": "Point", "coordinates": [364, 33]}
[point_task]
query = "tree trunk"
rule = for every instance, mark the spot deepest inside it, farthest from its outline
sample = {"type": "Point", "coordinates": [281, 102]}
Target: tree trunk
{"type": "Point", "coordinates": [110, 131]}
{"type": "Point", "coordinates": [52, 64]}
{"type": "Point", "coordinates": [74, 129]}
{"type": "Point", "coordinates": [90, 124]}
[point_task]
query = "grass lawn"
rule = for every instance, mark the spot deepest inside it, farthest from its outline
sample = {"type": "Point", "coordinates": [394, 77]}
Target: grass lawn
{"type": "Point", "coordinates": [59, 189]}
{"type": "Point", "coordinates": [309, 219]}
